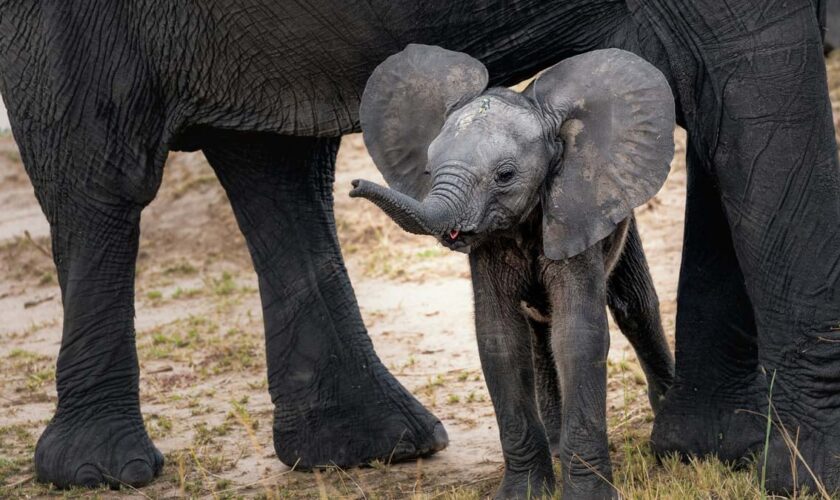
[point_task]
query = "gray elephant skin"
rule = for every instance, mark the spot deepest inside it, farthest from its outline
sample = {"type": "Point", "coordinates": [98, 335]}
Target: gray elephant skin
{"type": "Point", "coordinates": [99, 92]}
{"type": "Point", "coordinates": [832, 25]}
{"type": "Point", "coordinates": [540, 188]}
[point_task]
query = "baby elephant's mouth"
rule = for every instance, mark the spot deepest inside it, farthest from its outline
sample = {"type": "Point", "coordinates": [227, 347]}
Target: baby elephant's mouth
{"type": "Point", "coordinates": [455, 239]}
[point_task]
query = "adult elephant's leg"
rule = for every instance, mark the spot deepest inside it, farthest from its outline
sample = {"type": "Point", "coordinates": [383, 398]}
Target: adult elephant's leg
{"type": "Point", "coordinates": [634, 304]}
{"type": "Point", "coordinates": [335, 401]}
{"type": "Point", "coordinates": [754, 87]}
{"type": "Point", "coordinates": [97, 434]}
{"type": "Point", "coordinates": [715, 385]}
{"type": "Point", "coordinates": [780, 181]}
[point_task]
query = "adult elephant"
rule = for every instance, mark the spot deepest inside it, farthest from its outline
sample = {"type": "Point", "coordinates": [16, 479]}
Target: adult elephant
{"type": "Point", "coordinates": [99, 92]}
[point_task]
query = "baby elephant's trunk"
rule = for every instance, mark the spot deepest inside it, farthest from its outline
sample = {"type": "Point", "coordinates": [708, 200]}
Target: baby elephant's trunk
{"type": "Point", "coordinates": [431, 217]}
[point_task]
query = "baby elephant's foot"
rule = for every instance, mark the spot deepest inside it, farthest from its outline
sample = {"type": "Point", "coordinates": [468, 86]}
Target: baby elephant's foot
{"type": "Point", "coordinates": [587, 476]}
{"type": "Point", "coordinates": [524, 485]}
{"type": "Point", "coordinates": [591, 487]}
{"type": "Point", "coordinates": [96, 446]}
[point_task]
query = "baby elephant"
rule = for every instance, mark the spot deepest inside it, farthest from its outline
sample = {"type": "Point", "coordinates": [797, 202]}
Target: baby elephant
{"type": "Point", "coordinates": [539, 188]}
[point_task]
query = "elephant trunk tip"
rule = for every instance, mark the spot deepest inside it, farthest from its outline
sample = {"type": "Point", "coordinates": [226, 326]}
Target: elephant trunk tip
{"type": "Point", "coordinates": [358, 188]}
{"type": "Point", "coordinates": [429, 217]}
{"type": "Point", "coordinates": [407, 212]}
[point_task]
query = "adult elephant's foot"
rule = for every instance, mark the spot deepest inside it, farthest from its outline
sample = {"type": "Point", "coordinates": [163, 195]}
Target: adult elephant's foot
{"type": "Point", "coordinates": [356, 418]}
{"type": "Point", "coordinates": [816, 454]}
{"type": "Point", "coordinates": [96, 446]}
{"type": "Point", "coordinates": [696, 421]}
{"type": "Point", "coordinates": [803, 449]}
{"type": "Point", "coordinates": [804, 446]}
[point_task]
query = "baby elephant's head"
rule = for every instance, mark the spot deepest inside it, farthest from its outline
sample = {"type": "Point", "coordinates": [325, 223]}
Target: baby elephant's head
{"type": "Point", "coordinates": [589, 140]}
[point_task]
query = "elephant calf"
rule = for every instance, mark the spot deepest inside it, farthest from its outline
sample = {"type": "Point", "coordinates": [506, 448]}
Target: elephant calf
{"type": "Point", "coordinates": [539, 188]}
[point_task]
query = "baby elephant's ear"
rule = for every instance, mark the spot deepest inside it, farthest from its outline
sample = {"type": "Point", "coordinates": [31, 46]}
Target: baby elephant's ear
{"type": "Point", "coordinates": [405, 103]}
{"type": "Point", "coordinates": [614, 112]}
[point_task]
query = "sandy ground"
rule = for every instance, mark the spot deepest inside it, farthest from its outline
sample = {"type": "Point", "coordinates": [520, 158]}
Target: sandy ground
{"type": "Point", "coordinates": [199, 335]}
{"type": "Point", "coordinates": [4, 118]}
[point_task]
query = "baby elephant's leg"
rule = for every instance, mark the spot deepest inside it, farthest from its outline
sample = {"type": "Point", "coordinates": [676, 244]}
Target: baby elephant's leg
{"type": "Point", "coordinates": [635, 307]}
{"type": "Point", "coordinates": [547, 384]}
{"type": "Point", "coordinates": [504, 346]}
{"type": "Point", "coordinates": [580, 342]}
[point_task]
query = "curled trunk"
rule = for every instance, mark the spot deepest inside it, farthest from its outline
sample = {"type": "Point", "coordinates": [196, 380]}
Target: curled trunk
{"type": "Point", "coordinates": [431, 217]}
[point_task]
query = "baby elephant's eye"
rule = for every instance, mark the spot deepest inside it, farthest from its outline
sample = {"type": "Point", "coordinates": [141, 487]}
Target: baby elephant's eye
{"type": "Point", "coordinates": [504, 176]}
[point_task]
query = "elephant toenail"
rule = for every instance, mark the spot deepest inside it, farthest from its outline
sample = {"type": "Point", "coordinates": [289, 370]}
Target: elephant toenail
{"type": "Point", "coordinates": [137, 472]}
{"type": "Point", "coordinates": [159, 461]}
{"type": "Point", "coordinates": [88, 475]}
{"type": "Point", "coordinates": [440, 439]}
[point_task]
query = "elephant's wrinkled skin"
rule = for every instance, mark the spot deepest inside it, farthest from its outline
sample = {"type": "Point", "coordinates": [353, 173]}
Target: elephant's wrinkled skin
{"type": "Point", "coordinates": [99, 91]}
{"type": "Point", "coordinates": [540, 188]}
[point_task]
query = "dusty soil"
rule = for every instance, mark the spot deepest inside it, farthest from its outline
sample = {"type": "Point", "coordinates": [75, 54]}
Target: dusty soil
{"type": "Point", "coordinates": [199, 335]}
{"type": "Point", "coordinates": [4, 118]}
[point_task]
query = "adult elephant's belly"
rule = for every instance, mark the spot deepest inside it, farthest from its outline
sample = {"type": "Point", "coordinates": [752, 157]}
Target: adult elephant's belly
{"type": "Point", "coordinates": [293, 68]}
{"type": "Point", "coordinates": [299, 68]}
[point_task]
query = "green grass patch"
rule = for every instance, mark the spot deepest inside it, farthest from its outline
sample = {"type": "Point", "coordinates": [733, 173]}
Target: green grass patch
{"type": "Point", "coordinates": [225, 285]}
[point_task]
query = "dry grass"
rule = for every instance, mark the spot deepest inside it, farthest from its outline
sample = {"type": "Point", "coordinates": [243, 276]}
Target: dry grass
{"type": "Point", "coordinates": [217, 445]}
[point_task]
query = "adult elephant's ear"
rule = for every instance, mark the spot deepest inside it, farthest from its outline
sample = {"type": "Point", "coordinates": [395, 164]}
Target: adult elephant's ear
{"type": "Point", "coordinates": [405, 103]}
{"type": "Point", "coordinates": [615, 115]}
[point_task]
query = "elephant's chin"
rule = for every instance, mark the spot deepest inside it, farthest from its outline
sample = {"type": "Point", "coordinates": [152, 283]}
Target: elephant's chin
{"type": "Point", "coordinates": [458, 241]}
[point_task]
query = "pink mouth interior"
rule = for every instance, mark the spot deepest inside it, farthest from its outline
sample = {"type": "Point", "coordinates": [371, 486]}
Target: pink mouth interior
{"type": "Point", "coordinates": [453, 234]}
